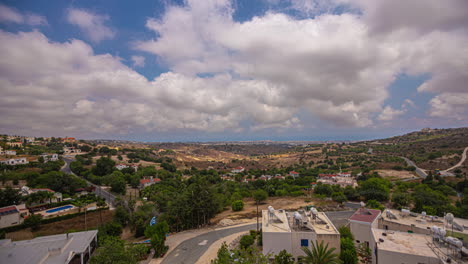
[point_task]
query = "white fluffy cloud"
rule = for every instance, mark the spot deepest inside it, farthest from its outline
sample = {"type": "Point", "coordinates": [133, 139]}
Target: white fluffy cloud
{"type": "Point", "coordinates": [450, 106]}
{"type": "Point", "coordinates": [91, 24]}
{"type": "Point", "coordinates": [78, 91]}
{"type": "Point", "coordinates": [389, 113]}
{"type": "Point", "coordinates": [262, 74]}
{"type": "Point", "coordinates": [10, 15]}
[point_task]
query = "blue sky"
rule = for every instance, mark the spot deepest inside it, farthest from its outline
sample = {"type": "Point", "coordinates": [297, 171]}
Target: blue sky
{"type": "Point", "coordinates": [232, 70]}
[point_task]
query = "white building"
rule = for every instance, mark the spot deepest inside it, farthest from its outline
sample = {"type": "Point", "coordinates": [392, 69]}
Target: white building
{"type": "Point", "coordinates": [15, 144]}
{"type": "Point", "coordinates": [16, 161]}
{"type": "Point", "coordinates": [389, 247]}
{"type": "Point", "coordinates": [294, 174]}
{"type": "Point", "coordinates": [291, 231]}
{"type": "Point", "coordinates": [12, 215]}
{"type": "Point", "coordinates": [49, 157]}
{"type": "Point", "coordinates": [238, 169]}
{"type": "Point", "coordinates": [70, 150]}
{"type": "Point", "coordinates": [8, 152]}
{"type": "Point", "coordinates": [401, 240]}
{"type": "Point", "coordinates": [70, 248]}
{"type": "Point", "coordinates": [148, 182]}
{"type": "Point", "coordinates": [361, 224]}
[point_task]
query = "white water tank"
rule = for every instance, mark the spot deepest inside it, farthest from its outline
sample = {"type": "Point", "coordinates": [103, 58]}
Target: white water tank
{"type": "Point", "coordinates": [449, 217]}
{"type": "Point", "coordinates": [438, 231]}
{"type": "Point", "coordinates": [423, 213]}
{"type": "Point", "coordinates": [454, 242]}
{"type": "Point", "coordinates": [405, 212]}
{"type": "Point", "coordinates": [297, 216]}
{"type": "Point", "coordinates": [313, 211]}
{"type": "Point", "coordinates": [363, 204]}
{"type": "Point", "coordinates": [271, 210]}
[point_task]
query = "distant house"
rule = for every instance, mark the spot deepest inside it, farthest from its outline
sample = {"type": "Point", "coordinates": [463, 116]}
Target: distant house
{"type": "Point", "coordinates": [121, 166]}
{"type": "Point", "coordinates": [238, 169]}
{"type": "Point", "coordinates": [148, 182]}
{"type": "Point", "coordinates": [294, 174]}
{"type": "Point", "coordinates": [14, 144]}
{"type": "Point", "coordinates": [69, 150]}
{"type": "Point", "coordinates": [12, 215]}
{"type": "Point", "coordinates": [279, 177]}
{"type": "Point", "coordinates": [12, 162]}
{"type": "Point", "coordinates": [49, 157]}
{"type": "Point", "coordinates": [263, 178]}
{"type": "Point", "coordinates": [10, 152]}
{"type": "Point", "coordinates": [25, 190]}
{"type": "Point", "coordinates": [69, 139]}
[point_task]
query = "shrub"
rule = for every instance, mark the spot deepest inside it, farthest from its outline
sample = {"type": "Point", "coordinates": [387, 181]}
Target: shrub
{"type": "Point", "coordinates": [237, 205]}
{"type": "Point", "coordinates": [246, 241]}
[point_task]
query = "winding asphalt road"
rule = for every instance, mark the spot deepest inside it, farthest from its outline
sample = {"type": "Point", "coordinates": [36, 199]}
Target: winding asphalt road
{"type": "Point", "coordinates": [109, 197]}
{"type": "Point", "coordinates": [189, 251]}
{"type": "Point", "coordinates": [460, 162]}
{"type": "Point", "coordinates": [192, 249]}
{"type": "Point", "coordinates": [419, 171]}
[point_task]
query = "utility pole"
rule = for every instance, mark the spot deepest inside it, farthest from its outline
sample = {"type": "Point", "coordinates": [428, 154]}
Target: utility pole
{"type": "Point", "coordinates": [257, 216]}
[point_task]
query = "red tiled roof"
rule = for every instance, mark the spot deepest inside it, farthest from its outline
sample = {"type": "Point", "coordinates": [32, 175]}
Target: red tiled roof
{"type": "Point", "coordinates": [8, 210]}
{"type": "Point", "coordinates": [327, 175]}
{"type": "Point", "coordinates": [238, 168]}
{"type": "Point", "coordinates": [143, 181]}
{"type": "Point", "coordinates": [293, 172]}
{"type": "Point", "coordinates": [365, 215]}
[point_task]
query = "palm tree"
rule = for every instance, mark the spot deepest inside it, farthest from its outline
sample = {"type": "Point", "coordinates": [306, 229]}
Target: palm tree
{"type": "Point", "coordinates": [320, 254]}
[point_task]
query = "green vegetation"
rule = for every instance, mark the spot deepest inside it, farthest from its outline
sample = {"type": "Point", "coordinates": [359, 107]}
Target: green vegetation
{"type": "Point", "coordinates": [237, 205]}
{"type": "Point", "coordinates": [320, 253]}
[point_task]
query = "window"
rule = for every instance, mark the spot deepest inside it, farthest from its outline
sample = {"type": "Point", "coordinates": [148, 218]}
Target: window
{"type": "Point", "coordinates": [304, 243]}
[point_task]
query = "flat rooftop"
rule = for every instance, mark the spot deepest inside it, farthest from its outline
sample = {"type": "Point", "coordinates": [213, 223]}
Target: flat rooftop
{"type": "Point", "coordinates": [402, 242]}
{"type": "Point", "coordinates": [48, 249]}
{"type": "Point", "coordinates": [423, 222]}
{"type": "Point", "coordinates": [283, 221]}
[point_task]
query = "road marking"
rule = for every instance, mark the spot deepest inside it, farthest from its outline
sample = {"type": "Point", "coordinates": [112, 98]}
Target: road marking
{"type": "Point", "coordinates": [203, 243]}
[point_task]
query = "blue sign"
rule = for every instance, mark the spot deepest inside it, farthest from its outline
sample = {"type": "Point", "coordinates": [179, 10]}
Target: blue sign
{"type": "Point", "coordinates": [153, 221]}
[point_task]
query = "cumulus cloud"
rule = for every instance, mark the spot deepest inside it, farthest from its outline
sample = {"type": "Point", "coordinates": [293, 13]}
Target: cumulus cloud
{"type": "Point", "coordinates": [450, 105]}
{"type": "Point", "coordinates": [263, 73]}
{"type": "Point", "coordinates": [138, 61]}
{"type": "Point", "coordinates": [336, 66]}
{"type": "Point", "coordinates": [77, 90]}
{"type": "Point", "coordinates": [91, 24]}
{"type": "Point", "coordinates": [11, 15]}
{"type": "Point", "coordinates": [389, 113]}
{"type": "Point", "coordinates": [420, 15]}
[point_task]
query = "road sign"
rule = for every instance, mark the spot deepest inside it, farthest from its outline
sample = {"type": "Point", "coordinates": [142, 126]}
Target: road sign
{"type": "Point", "coordinates": [153, 221]}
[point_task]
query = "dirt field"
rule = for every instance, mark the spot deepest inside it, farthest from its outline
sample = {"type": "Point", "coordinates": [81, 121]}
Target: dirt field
{"type": "Point", "coordinates": [250, 207]}
{"type": "Point", "coordinates": [125, 161]}
{"type": "Point", "coordinates": [395, 175]}
{"type": "Point", "coordinates": [77, 224]}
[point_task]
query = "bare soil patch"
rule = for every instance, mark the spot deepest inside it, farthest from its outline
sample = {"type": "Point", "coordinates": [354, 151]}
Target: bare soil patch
{"type": "Point", "coordinates": [396, 175]}
{"type": "Point", "coordinates": [288, 203]}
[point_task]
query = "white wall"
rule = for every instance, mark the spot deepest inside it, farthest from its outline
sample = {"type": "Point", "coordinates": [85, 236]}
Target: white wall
{"type": "Point", "coordinates": [10, 219]}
